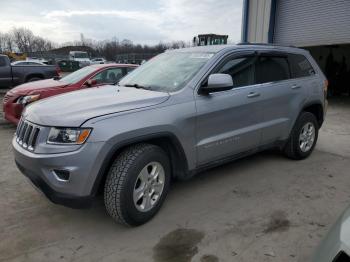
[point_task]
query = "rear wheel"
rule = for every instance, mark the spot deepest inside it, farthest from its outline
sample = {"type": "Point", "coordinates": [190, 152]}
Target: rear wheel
{"type": "Point", "coordinates": [303, 138]}
{"type": "Point", "coordinates": [137, 184]}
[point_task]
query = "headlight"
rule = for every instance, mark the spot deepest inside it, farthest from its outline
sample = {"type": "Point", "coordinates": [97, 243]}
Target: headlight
{"type": "Point", "coordinates": [24, 100]}
{"type": "Point", "coordinates": [76, 136]}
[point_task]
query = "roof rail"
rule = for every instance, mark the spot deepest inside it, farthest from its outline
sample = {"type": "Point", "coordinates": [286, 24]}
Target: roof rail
{"type": "Point", "coordinates": [249, 43]}
{"type": "Point", "coordinates": [265, 44]}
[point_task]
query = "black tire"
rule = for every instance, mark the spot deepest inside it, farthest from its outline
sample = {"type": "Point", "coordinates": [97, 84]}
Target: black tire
{"type": "Point", "coordinates": [121, 179]}
{"type": "Point", "coordinates": [292, 149]}
{"type": "Point", "coordinates": [32, 79]}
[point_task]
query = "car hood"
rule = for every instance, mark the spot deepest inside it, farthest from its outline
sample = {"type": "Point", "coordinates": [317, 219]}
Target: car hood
{"type": "Point", "coordinates": [36, 86]}
{"type": "Point", "coordinates": [74, 108]}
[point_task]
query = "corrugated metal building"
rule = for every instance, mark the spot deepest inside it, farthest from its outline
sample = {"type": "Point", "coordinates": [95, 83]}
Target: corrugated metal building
{"type": "Point", "coordinates": [321, 26]}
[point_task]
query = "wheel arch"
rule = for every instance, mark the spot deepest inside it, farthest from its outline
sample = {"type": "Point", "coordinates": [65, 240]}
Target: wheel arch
{"type": "Point", "coordinates": [167, 141]}
{"type": "Point", "coordinates": [316, 109]}
{"type": "Point", "coordinates": [36, 75]}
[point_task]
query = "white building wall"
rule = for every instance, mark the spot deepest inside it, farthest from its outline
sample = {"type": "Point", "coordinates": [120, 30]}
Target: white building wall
{"type": "Point", "coordinates": [312, 23]}
{"type": "Point", "coordinates": [297, 22]}
{"type": "Point", "coordinates": [258, 21]}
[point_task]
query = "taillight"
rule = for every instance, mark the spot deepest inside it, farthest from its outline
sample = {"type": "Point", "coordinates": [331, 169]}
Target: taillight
{"type": "Point", "coordinates": [325, 87]}
{"type": "Point", "coordinates": [58, 70]}
{"type": "Point", "coordinates": [325, 90]}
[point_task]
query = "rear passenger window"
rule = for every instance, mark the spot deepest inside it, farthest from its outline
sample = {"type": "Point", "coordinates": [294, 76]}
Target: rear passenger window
{"type": "Point", "coordinates": [300, 66]}
{"type": "Point", "coordinates": [241, 69]}
{"type": "Point", "coordinates": [271, 69]}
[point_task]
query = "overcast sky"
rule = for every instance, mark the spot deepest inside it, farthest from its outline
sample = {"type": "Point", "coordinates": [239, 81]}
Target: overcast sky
{"type": "Point", "coordinates": [141, 21]}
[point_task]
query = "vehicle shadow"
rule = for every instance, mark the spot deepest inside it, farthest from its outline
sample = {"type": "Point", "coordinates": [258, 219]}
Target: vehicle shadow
{"type": "Point", "coordinates": [205, 181]}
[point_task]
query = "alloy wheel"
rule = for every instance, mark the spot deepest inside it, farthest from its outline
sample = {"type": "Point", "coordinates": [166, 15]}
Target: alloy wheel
{"type": "Point", "coordinates": [149, 186]}
{"type": "Point", "coordinates": [307, 137]}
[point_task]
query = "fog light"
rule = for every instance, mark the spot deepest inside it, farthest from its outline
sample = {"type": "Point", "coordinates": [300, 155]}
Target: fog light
{"type": "Point", "coordinates": [62, 175]}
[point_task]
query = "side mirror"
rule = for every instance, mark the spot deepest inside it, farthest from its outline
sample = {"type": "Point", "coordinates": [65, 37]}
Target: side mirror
{"type": "Point", "coordinates": [218, 82]}
{"type": "Point", "coordinates": [91, 82]}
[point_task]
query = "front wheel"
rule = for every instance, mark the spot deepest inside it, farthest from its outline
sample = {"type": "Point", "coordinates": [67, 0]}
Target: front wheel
{"type": "Point", "coordinates": [303, 138]}
{"type": "Point", "coordinates": [137, 184]}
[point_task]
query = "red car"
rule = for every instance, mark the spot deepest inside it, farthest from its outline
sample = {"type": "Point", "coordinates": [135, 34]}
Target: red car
{"type": "Point", "coordinates": [91, 76]}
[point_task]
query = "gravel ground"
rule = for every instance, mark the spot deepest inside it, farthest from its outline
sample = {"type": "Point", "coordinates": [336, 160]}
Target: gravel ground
{"type": "Point", "coordinates": [261, 208]}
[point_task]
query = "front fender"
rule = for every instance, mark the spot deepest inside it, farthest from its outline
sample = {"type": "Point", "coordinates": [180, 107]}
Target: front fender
{"type": "Point", "coordinates": [115, 146]}
{"type": "Point", "coordinates": [174, 121]}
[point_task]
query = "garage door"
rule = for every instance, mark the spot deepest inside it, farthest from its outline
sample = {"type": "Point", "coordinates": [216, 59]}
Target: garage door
{"type": "Point", "coordinates": [313, 22]}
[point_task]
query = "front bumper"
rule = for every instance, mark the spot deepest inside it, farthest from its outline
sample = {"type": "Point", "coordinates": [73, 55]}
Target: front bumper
{"type": "Point", "coordinates": [83, 165]}
{"type": "Point", "coordinates": [55, 196]}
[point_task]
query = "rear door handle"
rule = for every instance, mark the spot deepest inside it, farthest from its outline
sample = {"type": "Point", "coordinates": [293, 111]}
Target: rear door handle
{"type": "Point", "coordinates": [253, 94]}
{"type": "Point", "coordinates": [295, 86]}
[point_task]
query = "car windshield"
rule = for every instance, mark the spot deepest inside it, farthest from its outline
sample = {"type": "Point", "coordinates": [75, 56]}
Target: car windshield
{"type": "Point", "coordinates": [77, 75]}
{"type": "Point", "coordinates": [80, 55]}
{"type": "Point", "coordinates": [167, 72]}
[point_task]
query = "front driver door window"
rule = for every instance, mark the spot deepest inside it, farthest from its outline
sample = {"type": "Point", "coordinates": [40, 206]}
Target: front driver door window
{"type": "Point", "coordinates": [241, 70]}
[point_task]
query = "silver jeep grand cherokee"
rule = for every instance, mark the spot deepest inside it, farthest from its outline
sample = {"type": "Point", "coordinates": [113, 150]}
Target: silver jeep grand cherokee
{"type": "Point", "coordinates": [181, 112]}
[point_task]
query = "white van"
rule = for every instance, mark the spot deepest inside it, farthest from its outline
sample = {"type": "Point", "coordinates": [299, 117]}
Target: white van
{"type": "Point", "coordinates": [81, 57]}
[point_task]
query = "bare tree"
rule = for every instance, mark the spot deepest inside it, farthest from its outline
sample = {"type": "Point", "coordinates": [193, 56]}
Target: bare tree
{"type": "Point", "coordinates": [6, 42]}
{"type": "Point", "coordinates": [25, 41]}
{"type": "Point", "coordinates": [40, 44]}
{"type": "Point", "coordinates": [2, 42]}
{"type": "Point", "coordinates": [9, 42]}
{"type": "Point", "coordinates": [23, 38]}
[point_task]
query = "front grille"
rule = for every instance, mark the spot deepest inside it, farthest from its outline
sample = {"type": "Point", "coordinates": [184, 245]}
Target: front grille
{"type": "Point", "coordinates": [27, 134]}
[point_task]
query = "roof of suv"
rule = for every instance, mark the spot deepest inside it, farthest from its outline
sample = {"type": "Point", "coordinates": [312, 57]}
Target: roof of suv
{"type": "Point", "coordinates": [218, 48]}
{"type": "Point", "coordinates": [113, 65]}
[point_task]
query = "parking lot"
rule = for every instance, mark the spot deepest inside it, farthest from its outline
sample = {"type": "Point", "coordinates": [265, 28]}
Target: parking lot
{"type": "Point", "coordinates": [261, 208]}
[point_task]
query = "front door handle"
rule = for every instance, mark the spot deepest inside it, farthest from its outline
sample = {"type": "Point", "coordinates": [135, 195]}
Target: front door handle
{"type": "Point", "coordinates": [295, 86]}
{"type": "Point", "coordinates": [253, 94]}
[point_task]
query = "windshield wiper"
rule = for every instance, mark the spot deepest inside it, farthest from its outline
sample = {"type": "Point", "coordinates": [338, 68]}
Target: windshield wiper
{"type": "Point", "coordinates": [138, 86]}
